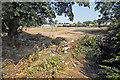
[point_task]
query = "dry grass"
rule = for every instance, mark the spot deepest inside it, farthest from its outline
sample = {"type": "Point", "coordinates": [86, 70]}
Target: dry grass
{"type": "Point", "coordinates": [66, 32]}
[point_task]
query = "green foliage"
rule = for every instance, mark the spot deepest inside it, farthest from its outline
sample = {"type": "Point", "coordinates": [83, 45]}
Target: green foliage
{"type": "Point", "coordinates": [77, 54]}
{"type": "Point", "coordinates": [110, 64]}
{"type": "Point", "coordinates": [107, 57]}
{"type": "Point", "coordinates": [30, 72]}
{"type": "Point", "coordinates": [43, 61]}
{"type": "Point", "coordinates": [109, 12]}
{"type": "Point", "coordinates": [110, 72]}
{"type": "Point", "coordinates": [90, 46]}
{"type": "Point", "coordinates": [15, 14]}
{"type": "Point", "coordinates": [110, 48]}
{"type": "Point", "coordinates": [36, 49]}
{"type": "Point", "coordinates": [47, 64]}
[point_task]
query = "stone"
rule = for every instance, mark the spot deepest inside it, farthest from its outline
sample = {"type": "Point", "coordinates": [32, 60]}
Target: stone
{"type": "Point", "coordinates": [74, 65]}
{"type": "Point", "coordinates": [72, 41]}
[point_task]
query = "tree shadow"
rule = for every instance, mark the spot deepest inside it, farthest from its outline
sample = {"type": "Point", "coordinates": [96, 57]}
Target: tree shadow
{"type": "Point", "coordinates": [95, 32]}
{"type": "Point", "coordinates": [90, 68]}
{"type": "Point", "coordinates": [24, 45]}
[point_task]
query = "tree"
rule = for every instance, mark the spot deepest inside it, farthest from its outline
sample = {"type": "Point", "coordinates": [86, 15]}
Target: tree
{"type": "Point", "coordinates": [87, 23]}
{"type": "Point", "coordinates": [78, 22]}
{"type": "Point", "coordinates": [110, 57]}
{"type": "Point", "coordinates": [109, 12]}
{"type": "Point", "coordinates": [56, 21]}
{"type": "Point", "coordinates": [15, 14]}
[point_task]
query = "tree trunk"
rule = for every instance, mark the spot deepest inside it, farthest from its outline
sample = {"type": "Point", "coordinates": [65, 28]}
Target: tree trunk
{"type": "Point", "coordinates": [12, 32]}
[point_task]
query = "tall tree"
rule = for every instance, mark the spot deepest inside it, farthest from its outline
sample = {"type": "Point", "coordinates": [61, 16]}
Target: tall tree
{"type": "Point", "coordinates": [15, 14]}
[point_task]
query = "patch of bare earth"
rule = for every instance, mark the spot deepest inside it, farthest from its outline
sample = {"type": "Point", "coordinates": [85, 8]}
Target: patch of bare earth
{"type": "Point", "coordinates": [67, 32]}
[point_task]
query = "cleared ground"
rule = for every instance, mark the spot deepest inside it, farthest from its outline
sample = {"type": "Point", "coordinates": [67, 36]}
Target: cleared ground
{"type": "Point", "coordinates": [67, 32]}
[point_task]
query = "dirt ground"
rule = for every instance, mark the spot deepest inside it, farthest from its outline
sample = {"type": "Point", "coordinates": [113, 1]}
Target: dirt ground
{"type": "Point", "coordinates": [67, 32]}
{"type": "Point", "coordinates": [48, 37]}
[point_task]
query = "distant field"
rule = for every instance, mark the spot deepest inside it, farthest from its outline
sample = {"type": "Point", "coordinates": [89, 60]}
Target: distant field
{"type": "Point", "coordinates": [66, 32]}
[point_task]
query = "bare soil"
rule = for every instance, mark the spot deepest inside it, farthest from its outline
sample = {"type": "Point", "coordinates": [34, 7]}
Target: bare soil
{"type": "Point", "coordinates": [67, 32]}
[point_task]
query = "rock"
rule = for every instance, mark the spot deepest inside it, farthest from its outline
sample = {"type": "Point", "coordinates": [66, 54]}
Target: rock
{"type": "Point", "coordinates": [74, 65]}
{"type": "Point", "coordinates": [72, 41]}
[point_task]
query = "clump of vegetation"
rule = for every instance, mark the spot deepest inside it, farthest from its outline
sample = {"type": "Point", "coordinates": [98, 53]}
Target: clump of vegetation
{"type": "Point", "coordinates": [110, 57]}
{"type": "Point", "coordinates": [110, 48]}
{"type": "Point", "coordinates": [90, 46]}
{"type": "Point", "coordinates": [46, 60]}
{"type": "Point", "coordinates": [105, 52]}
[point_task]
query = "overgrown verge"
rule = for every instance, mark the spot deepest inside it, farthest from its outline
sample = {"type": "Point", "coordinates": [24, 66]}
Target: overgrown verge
{"type": "Point", "coordinates": [88, 49]}
{"type": "Point", "coordinates": [110, 66]}
{"type": "Point", "coordinates": [104, 52]}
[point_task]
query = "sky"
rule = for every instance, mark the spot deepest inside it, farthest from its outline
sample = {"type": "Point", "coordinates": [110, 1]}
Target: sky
{"type": "Point", "coordinates": [80, 14]}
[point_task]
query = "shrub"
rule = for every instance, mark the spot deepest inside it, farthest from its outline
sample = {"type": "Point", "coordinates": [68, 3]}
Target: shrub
{"type": "Point", "coordinates": [105, 52]}
{"type": "Point", "coordinates": [90, 46]}
{"type": "Point", "coordinates": [110, 66]}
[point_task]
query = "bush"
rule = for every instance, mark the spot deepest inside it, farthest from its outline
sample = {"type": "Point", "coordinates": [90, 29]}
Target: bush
{"type": "Point", "coordinates": [111, 54]}
{"type": "Point", "coordinates": [105, 52]}
{"type": "Point", "coordinates": [90, 46]}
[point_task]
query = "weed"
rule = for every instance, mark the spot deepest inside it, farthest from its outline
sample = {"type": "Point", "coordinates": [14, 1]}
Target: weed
{"type": "Point", "coordinates": [90, 46]}
{"type": "Point", "coordinates": [30, 72]}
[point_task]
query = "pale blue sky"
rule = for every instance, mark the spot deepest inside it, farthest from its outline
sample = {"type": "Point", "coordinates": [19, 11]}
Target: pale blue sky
{"type": "Point", "coordinates": [81, 14]}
